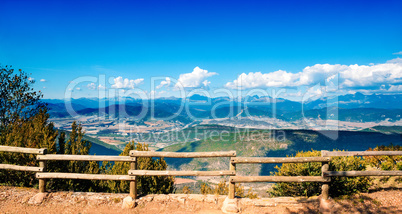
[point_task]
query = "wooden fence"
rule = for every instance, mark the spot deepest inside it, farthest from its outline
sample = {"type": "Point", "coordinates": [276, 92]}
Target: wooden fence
{"type": "Point", "coordinates": [361, 173]}
{"type": "Point", "coordinates": [22, 150]}
{"type": "Point", "coordinates": [133, 153]}
{"type": "Point", "coordinates": [52, 175]}
{"type": "Point", "coordinates": [325, 158]}
{"type": "Point", "coordinates": [41, 168]}
{"type": "Point", "coordinates": [258, 160]}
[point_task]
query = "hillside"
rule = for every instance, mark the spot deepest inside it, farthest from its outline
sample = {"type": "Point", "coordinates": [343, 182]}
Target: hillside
{"type": "Point", "coordinates": [98, 147]}
{"type": "Point", "coordinates": [351, 115]}
{"type": "Point", "coordinates": [385, 129]}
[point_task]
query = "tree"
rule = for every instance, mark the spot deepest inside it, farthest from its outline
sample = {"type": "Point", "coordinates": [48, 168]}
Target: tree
{"type": "Point", "coordinates": [75, 145]}
{"type": "Point", "coordinates": [23, 123]}
{"type": "Point", "coordinates": [34, 133]}
{"type": "Point", "coordinates": [145, 184]}
{"type": "Point", "coordinates": [18, 100]}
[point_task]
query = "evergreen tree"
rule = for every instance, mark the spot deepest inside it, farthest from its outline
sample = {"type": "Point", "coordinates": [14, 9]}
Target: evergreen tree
{"type": "Point", "coordinates": [145, 184]}
{"type": "Point", "coordinates": [34, 133]}
{"type": "Point", "coordinates": [75, 145]}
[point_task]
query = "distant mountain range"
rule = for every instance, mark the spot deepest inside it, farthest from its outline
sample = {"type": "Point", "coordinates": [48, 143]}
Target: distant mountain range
{"type": "Point", "coordinates": [359, 100]}
{"type": "Point", "coordinates": [351, 107]}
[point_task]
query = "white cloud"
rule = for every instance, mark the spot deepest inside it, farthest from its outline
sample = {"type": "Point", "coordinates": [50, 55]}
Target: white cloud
{"type": "Point", "coordinates": [194, 79]}
{"type": "Point", "coordinates": [318, 73]}
{"type": "Point", "coordinates": [31, 79]}
{"type": "Point", "coordinates": [42, 80]}
{"type": "Point", "coordinates": [119, 82]}
{"type": "Point", "coordinates": [398, 53]}
{"type": "Point", "coordinates": [350, 76]}
{"type": "Point", "coordinates": [396, 60]}
{"type": "Point", "coordinates": [256, 80]}
{"type": "Point", "coordinates": [165, 82]}
{"type": "Point", "coordinates": [206, 83]}
{"type": "Point", "coordinates": [91, 86]}
{"type": "Point", "coordinates": [395, 88]}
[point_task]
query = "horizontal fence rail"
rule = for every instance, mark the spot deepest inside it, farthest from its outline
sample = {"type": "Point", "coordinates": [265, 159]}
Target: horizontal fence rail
{"type": "Point", "coordinates": [134, 153]}
{"type": "Point", "coordinates": [253, 160]}
{"type": "Point", "coordinates": [362, 173]}
{"type": "Point", "coordinates": [360, 153]}
{"type": "Point", "coordinates": [86, 158]}
{"type": "Point", "coordinates": [22, 150]}
{"type": "Point", "coordinates": [297, 179]}
{"type": "Point", "coordinates": [49, 175]}
{"type": "Point", "coordinates": [21, 168]}
{"type": "Point", "coordinates": [180, 173]}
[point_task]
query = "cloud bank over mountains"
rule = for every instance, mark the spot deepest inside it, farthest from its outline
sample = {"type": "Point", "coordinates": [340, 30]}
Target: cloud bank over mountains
{"type": "Point", "coordinates": [377, 77]}
{"type": "Point", "coordinates": [373, 78]}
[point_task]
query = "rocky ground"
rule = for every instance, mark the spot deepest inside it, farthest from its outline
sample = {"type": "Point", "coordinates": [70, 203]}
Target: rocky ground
{"type": "Point", "coordinates": [22, 200]}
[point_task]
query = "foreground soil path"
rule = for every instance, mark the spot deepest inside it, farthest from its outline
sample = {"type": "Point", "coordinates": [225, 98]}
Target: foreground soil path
{"type": "Point", "coordinates": [17, 200]}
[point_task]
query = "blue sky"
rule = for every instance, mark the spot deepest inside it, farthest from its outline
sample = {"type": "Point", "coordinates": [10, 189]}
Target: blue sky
{"type": "Point", "coordinates": [59, 41]}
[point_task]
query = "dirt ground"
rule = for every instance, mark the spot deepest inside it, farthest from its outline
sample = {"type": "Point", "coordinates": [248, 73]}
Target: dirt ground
{"type": "Point", "coordinates": [19, 200]}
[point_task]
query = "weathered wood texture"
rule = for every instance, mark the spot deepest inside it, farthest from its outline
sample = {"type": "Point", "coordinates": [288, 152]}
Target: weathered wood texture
{"type": "Point", "coordinates": [22, 150]}
{"type": "Point", "coordinates": [42, 182]}
{"type": "Point", "coordinates": [179, 173]}
{"type": "Point", "coordinates": [360, 153]}
{"type": "Point", "coordinates": [325, 186]}
{"type": "Point", "coordinates": [298, 179]}
{"type": "Point", "coordinates": [133, 183]}
{"type": "Point", "coordinates": [134, 153]}
{"type": "Point", "coordinates": [361, 173]}
{"type": "Point", "coordinates": [85, 158]}
{"type": "Point", "coordinates": [254, 160]}
{"type": "Point", "coordinates": [21, 168]}
{"type": "Point", "coordinates": [232, 185]}
{"type": "Point", "coordinates": [84, 176]}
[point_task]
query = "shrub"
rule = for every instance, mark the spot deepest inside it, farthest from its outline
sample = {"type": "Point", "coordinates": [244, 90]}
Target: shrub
{"type": "Point", "coordinates": [385, 162]}
{"type": "Point", "coordinates": [205, 189]}
{"type": "Point", "coordinates": [186, 190]}
{"type": "Point", "coordinates": [338, 186]}
{"type": "Point", "coordinates": [223, 189]}
{"type": "Point", "coordinates": [399, 165]}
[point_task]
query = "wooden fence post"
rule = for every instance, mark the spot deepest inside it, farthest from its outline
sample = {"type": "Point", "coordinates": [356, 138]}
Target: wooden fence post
{"type": "Point", "coordinates": [325, 185]}
{"type": "Point", "coordinates": [232, 185]}
{"type": "Point", "coordinates": [42, 182]}
{"type": "Point", "coordinates": [133, 183]}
